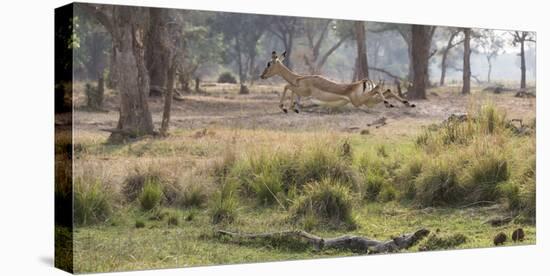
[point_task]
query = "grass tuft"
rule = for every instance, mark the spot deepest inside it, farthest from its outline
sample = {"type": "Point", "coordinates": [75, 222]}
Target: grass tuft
{"type": "Point", "coordinates": [93, 202]}
{"type": "Point", "coordinates": [329, 201]}
{"type": "Point", "coordinates": [151, 195]}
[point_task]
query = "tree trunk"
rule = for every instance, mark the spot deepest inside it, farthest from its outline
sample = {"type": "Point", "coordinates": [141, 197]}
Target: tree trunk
{"type": "Point", "coordinates": [197, 84]}
{"type": "Point", "coordinates": [363, 67]}
{"type": "Point", "coordinates": [522, 55]}
{"type": "Point", "coordinates": [489, 70]}
{"type": "Point", "coordinates": [420, 50]}
{"type": "Point", "coordinates": [156, 54]}
{"type": "Point", "coordinates": [112, 80]}
{"type": "Point", "coordinates": [466, 73]}
{"type": "Point", "coordinates": [171, 74]}
{"type": "Point", "coordinates": [132, 76]}
{"type": "Point", "coordinates": [443, 67]}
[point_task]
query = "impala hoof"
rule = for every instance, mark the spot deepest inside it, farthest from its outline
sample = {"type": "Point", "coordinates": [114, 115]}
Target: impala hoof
{"type": "Point", "coordinates": [413, 105]}
{"type": "Point", "coordinates": [285, 111]}
{"type": "Point", "coordinates": [296, 110]}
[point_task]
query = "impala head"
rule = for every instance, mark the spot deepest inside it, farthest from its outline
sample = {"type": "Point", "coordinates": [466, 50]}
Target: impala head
{"type": "Point", "coordinates": [273, 66]}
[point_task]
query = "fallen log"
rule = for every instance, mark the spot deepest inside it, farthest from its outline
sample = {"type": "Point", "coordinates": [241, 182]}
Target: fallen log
{"type": "Point", "coordinates": [355, 243]}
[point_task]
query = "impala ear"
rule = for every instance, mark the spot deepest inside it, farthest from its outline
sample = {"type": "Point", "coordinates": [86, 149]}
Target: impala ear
{"type": "Point", "coordinates": [273, 55]}
{"type": "Point", "coordinates": [282, 57]}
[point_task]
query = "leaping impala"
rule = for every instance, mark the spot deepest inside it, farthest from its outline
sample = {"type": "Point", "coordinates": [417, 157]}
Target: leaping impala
{"type": "Point", "coordinates": [324, 90]}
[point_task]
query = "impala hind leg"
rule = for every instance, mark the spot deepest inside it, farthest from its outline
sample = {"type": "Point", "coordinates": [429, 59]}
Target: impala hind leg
{"type": "Point", "coordinates": [388, 93]}
{"type": "Point", "coordinates": [293, 103]}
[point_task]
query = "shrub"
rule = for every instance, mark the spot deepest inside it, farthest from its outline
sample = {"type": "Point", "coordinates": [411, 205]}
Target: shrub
{"type": "Point", "coordinates": [483, 174]}
{"type": "Point", "coordinates": [438, 184]}
{"type": "Point", "coordinates": [140, 223]}
{"type": "Point", "coordinates": [173, 219]}
{"type": "Point", "coordinates": [328, 200]}
{"type": "Point", "coordinates": [151, 195]}
{"type": "Point", "coordinates": [319, 163]}
{"type": "Point", "coordinates": [388, 194]}
{"type": "Point", "coordinates": [92, 201]}
{"type": "Point", "coordinates": [134, 182]}
{"type": "Point", "coordinates": [406, 177]}
{"type": "Point", "coordinates": [266, 185]}
{"type": "Point", "coordinates": [226, 77]}
{"type": "Point", "coordinates": [224, 205]}
{"type": "Point", "coordinates": [191, 190]}
{"type": "Point", "coordinates": [373, 186]}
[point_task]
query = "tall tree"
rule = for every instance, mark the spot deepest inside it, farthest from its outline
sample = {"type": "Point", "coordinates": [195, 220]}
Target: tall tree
{"type": "Point", "coordinates": [491, 45]}
{"type": "Point", "coordinates": [421, 38]}
{"type": "Point", "coordinates": [451, 43]}
{"type": "Point", "coordinates": [285, 28]}
{"type": "Point", "coordinates": [317, 31]}
{"type": "Point", "coordinates": [520, 38]}
{"type": "Point", "coordinates": [466, 71]}
{"type": "Point", "coordinates": [156, 54]}
{"type": "Point", "coordinates": [242, 32]}
{"type": "Point", "coordinates": [362, 63]}
{"type": "Point", "coordinates": [126, 26]}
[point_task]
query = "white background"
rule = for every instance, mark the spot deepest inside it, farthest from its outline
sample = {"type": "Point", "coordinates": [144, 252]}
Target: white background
{"type": "Point", "coordinates": [26, 137]}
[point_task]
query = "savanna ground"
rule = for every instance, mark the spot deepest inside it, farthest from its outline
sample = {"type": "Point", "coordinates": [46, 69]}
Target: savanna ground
{"type": "Point", "coordinates": [236, 162]}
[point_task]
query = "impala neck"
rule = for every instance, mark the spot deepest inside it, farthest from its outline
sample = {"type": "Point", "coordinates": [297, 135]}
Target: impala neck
{"type": "Point", "coordinates": [288, 75]}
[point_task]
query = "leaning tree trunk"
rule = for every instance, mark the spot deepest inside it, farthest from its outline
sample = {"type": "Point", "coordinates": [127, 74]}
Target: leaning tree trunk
{"type": "Point", "coordinates": [362, 64]}
{"type": "Point", "coordinates": [466, 73]}
{"type": "Point", "coordinates": [156, 56]}
{"type": "Point", "coordinates": [420, 50]}
{"type": "Point", "coordinates": [359, 244]}
{"type": "Point", "coordinates": [522, 55]}
{"type": "Point", "coordinates": [132, 76]}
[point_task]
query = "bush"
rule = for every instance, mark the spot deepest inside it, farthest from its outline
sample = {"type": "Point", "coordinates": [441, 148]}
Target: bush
{"type": "Point", "coordinates": [373, 186]}
{"type": "Point", "coordinates": [173, 220]}
{"type": "Point", "coordinates": [329, 201]}
{"type": "Point", "coordinates": [483, 174]}
{"type": "Point", "coordinates": [388, 194]}
{"type": "Point", "coordinates": [140, 223]}
{"type": "Point", "coordinates": [438, 184]}
{"type": "Point", "coordinates": [151, 195]}
{"type": "Point", "coordinates": [134, 182]}
{"type": "Point", "coordinates": [226, 77]}
{"type": "Point", "coordinates": [224, 205]}
{"type": "Point", "coordinates": [406, 177]}
{"type": "Point", "coordinates": [92, 202]}
{"type": "Point", "coordinates": [191, 190]}
{"type": "Point", "coordinates": [320, 162]}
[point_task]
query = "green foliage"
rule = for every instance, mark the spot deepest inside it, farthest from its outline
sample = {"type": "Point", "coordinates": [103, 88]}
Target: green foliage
{"type": "Point", "coordinates": [388, 194]}
{"type": "Point", "coordinates": [92, 202]}
{"type": "Point", "coordinates": [373, 185]}
{"type": "Point", "coordinates": [140, 223]}
{"type": "Point", "coordinates": [173, 219]}
{"type": "Point", "coordinates": [438, 184]}
{"type": "Point", "coordinates": [135, 181]}
{"type": "Point", "coordinates": [482, 175]}
{"type": "Point", "coordinates": [329, 201]}
{"type": "Point", "coordinates": [224, 205]}
{"type": "Point", "coordinates": [151, 195]}
{"type": "Point", "coordinates": [321, 162]}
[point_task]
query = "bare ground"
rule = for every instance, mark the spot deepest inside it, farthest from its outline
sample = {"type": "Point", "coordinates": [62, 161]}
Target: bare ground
{"type": "Point", "coordinates": [221, 106]}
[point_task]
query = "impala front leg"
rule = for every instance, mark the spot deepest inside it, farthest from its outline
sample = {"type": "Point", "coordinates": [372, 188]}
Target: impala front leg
{"type": "Point", "coordinates": [283, 96]}
{"type": "Point", "coordinates": [386, 103]}
{"type": "Point", "coordinates": [293, 102]}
